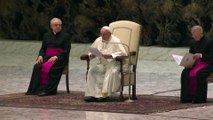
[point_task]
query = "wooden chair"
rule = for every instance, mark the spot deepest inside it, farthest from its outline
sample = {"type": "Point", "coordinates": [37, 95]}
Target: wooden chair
{"type": "Point", "coordinates": [129, 32]}
{"type": "Point", "coordinates": [210, 78]}
{"type": "Point", "coordinates": [66, 73]}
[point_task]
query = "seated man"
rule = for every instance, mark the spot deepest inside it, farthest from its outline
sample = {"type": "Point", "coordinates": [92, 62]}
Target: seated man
{"type": "Point", "coordinates": [53, 56]}
{"type": "Point", "coordinates": [193, 80]}
{"type": "Point", "coordinates": [104, 78]}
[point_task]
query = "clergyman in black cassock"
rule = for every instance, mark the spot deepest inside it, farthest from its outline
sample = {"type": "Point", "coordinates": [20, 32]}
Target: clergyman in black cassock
{"type": "Point", "coordinates": [194, 80]}
{"type": "Point", "coordinates": [53, 56]}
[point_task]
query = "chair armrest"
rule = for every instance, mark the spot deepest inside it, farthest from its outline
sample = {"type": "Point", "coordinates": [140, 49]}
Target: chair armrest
{"type": "Point", "coordinates": [121, 58]}
{"type": "Point", "coordinates": [132, 53]}
{"type": "Point", "coordinates": [84, 57]}
{"type": "Point", "coordinates": [210, 78]}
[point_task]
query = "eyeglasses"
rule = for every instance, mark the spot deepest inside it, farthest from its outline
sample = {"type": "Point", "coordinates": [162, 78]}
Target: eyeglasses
{"type": "Point", "coordinates": [105, 34]}
{"type": "Point", "coordinates": [56, 25]}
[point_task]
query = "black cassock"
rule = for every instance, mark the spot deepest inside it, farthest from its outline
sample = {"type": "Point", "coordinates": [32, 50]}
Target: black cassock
{"type": "Point", "coordinates": [50, 40]}
{"type": "Point", "coordinates": [205, 47]}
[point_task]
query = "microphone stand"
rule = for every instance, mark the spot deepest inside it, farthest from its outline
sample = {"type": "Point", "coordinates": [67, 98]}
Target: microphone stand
{"type": "Point", "coordinates": [129, 69]}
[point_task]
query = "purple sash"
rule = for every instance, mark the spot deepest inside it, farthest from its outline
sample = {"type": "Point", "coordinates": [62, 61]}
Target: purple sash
{"type": "Point", "coordinates": [47, 65]}
{"type": "Point", "coordinates": [192, 75]}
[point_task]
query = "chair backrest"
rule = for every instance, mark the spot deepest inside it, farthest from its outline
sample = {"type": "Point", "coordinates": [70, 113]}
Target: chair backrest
{"type": "Point", "coordinates": [129, 33]}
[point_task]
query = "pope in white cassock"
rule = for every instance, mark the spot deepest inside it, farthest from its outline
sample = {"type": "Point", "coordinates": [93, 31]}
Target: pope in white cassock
{"type": "Point", "coordinates": [104, 78]}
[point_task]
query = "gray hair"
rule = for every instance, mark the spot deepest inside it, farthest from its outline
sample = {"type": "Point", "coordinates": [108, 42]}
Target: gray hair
{"type": "Point", "coordinates": [106, 28]}
{"type": "Point", "coordinates": [197, 27]}
{"type": "Point", "coordinates": [53, 19]}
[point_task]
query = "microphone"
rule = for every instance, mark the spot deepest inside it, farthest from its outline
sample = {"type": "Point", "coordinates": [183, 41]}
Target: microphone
{"type": "Point", "coordinates": [127, 46]}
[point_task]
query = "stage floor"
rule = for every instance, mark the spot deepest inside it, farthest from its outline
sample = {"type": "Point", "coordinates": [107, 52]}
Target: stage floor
{"type": "Point", "coordinates": [153, 78]}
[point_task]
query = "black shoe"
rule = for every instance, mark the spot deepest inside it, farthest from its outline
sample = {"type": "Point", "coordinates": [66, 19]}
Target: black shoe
{"type": "Point", "coordinates": [27, 93]}
{"type": "Point", "coordinates": [199, 101]}
{"type": "Point", "coordinates": [42, 94]}
{"type": "Point", "coordinates": [46, 93]}
{"type": "Point", "coordinates": [186, 101]}
{"type": "Point", "coordinates": [90, 99]}
{"type": "Point", "coordinates": [103, 99]}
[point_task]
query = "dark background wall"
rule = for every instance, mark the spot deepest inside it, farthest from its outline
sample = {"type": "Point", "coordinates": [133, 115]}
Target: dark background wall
{"type": "Point", "coordinates": [165, 22]}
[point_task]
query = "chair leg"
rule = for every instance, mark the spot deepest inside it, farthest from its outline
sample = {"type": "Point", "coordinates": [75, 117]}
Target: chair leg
{"type": "Point", "coordinates": [134, 92]}
{"type": "Point", "coordinates": [67, 83]}
{"type": "Point", "coordinates": [121, 96]}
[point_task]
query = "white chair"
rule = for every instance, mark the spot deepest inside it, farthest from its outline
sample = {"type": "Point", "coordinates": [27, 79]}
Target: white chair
{"type": "Point", "coordinates": [129, 33]}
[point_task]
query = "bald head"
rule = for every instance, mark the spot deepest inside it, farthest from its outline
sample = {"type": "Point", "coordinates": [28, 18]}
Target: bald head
{"type": "Point", "coordinates": [56, 25]}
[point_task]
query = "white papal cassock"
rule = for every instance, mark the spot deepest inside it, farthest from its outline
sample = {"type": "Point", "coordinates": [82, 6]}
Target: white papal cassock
{"type": "Point", "coordinates": [104, 78]}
